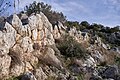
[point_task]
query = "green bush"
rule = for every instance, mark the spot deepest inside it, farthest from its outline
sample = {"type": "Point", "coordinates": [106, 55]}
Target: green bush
{"type": "Point", "coordinates": [71, 48]}
{"type": "Point", "coordinates": [13, 78]}
{"type": "Point", "coordinates": [117, 60]}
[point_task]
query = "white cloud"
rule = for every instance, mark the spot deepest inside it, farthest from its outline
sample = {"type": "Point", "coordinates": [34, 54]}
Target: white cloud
{"type": "Point", "coordinates": [107, 13]}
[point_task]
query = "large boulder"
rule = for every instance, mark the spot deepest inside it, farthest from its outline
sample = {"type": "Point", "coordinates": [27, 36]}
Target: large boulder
{"type": "Point", "coordinates": [108, 72]}
{"type": "Point", "coordinates": [9, 35]}
{"type": "Point", "coordinates": [28, 76]}
{"type": "Point", "coordinates": [16, 22]}
{"type": "Point", "coordinates": [7, 38]}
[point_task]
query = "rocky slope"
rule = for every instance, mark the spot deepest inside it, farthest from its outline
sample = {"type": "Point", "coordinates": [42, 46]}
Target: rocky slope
{"type": "Point", "coordinates": [28, 52]}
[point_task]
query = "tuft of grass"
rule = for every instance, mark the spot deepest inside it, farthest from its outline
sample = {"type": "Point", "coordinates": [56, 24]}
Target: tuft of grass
{"type": "Point", "coordinates": [51, 78]}
{"type": "Point", "coordinates": [15, 57]}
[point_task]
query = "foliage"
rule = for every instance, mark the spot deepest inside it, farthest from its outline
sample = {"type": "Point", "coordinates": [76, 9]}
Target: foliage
{"type": "Point", "coordinates": [51, 78]}
{"type": "Point", "coordinates": [13, 78]}
{"type": "Point", "coordinates": [80, 77]}
{"type": "Point", "coordinates": [52, 16]}
{"type": "Point", "coordinates": [71, 48]}
{"type": "Point", "coordinates": [79, 26]}
{"type": "Point", "coordinates": [117, 60]}
{"type": "Point", "coordinates": [85, 23]}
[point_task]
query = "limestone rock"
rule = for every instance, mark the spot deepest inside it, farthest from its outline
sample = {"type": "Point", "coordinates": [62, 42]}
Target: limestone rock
{"type": "Point", "coordinates": [32, 22]}
{"type": "Point", "coordinates": [16, 70]}
{"type": "Point", "coordinates": [46, 22]}
{"type": "Point", "coordinates": [108, 72]}
{"type": "Point", "coordinates": [16, 22]}
{"type": "Point", "coordinates": [7, 38]}
{"type": "Point", "coordinates": [5, 62]}
{"type": "Point", "coordinates": [40, 75]}
{"type": "Point", "coordinates": [39, 22]}
{"type": "Point", "coordinates": [10, 35]}
{"type": "Point", "coordinates": [32, 61]}
{"type": "Point", "coordinates": [41, 35]}
{"type": "Point", "coordinates": [90, 62]}
{"type": "Point", "coordinates": [28, 67]}
{"type": "Point", "coordinates": [26, 44]}
{"type": "Point", "coordinates": [34, 34]}
{"type": "Point", "coordinates": [25, 30]}
{"type": "Point", "coordinates": [50, 58]}
{"type": "Point", "coordinates": [56, 33]}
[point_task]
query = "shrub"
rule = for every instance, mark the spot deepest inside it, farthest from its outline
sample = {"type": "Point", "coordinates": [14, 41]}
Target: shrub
{"type": "Point", "coordinates": [71, 48]}
{"type": "Point", "coordinates": [117, 60]}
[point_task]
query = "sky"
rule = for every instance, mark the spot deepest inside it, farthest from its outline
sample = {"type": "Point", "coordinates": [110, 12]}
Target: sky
{"type": "Point", "coordinates": [106, 12]}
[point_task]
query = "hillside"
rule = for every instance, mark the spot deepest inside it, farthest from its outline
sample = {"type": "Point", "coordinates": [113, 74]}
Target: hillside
{"type": "Point", "coordinates": [31, 48]}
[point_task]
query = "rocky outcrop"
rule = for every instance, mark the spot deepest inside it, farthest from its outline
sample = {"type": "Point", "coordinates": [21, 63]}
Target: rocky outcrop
{"type": "Point", "coordinates": [18, 43]}
{"type": "Point", "coordinates": [40, 75]}
{"type": "Point", "coordinates": [5, 62]}
{"type": "Point", "coordinates": [28, 47]}
{"type": "Point", "coordinates": [78, 35]}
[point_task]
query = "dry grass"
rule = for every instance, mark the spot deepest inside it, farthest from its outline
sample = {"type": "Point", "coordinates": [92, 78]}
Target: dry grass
{"type": "Point", "coordinates": [15, 57]}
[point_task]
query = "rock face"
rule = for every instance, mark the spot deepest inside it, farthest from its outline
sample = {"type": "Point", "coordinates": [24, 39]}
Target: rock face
{"type": "Point", "coordinates": [4, 66]}
{"type": "Point", "coordinates": [40, 75]}
{"type": "Point", "coordinates": [78, 35]}
{"type": "Point", "coordinates": [28, 47]}
{"type": "Point", "coordinates": [17, 44]}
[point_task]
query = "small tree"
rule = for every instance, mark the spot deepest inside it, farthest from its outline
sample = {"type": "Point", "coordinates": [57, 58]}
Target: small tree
{"type": "Point", "coordinates": [85, 24]}
{"type": "Point", "coordinates": [53, 16]}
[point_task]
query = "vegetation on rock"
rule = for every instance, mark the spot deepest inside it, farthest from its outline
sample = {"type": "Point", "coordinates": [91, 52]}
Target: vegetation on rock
{"type": "Point", "coordinates": [71, 48]}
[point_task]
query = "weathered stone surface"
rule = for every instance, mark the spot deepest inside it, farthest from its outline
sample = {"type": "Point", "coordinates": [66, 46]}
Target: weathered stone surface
{"type": "Point", "coordinates": [26, 44]}
{"type": "Point", "coordinates": [32, 22]}
{"type": "Point", "coordinates": [56, 32]}
{"type": "Point", "coordinates": [34, 34]}
{"type": "Point", "coordinates": [30, 42]}
{"type": "Point", "coordinates": [7, 38]}
{"type": "Point", "coordinates": [5, 62]}
{"type": "Point", "coordinates": [50, 58]}
{"type": "Point", "coordinates": [10, 35]}
{"type": "Point", "coordinates": [39, 22]}
{"type": "Point", "coordinates": [16, 22]}
{"type": "Point", "coordinates": [90, 62]}
{"type": "Point", "coordinates": [40, 75]}
{"type": "Point", "coordinates": [16, 70]}
{"type": "Point", "coordinates": [41, 35]}
{"type": "Point", "coordinates": [25, 30]}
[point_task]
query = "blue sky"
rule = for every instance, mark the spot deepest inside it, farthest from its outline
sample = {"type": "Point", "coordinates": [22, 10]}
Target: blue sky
{"type": "Point", "coordinates": [106, 12]}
